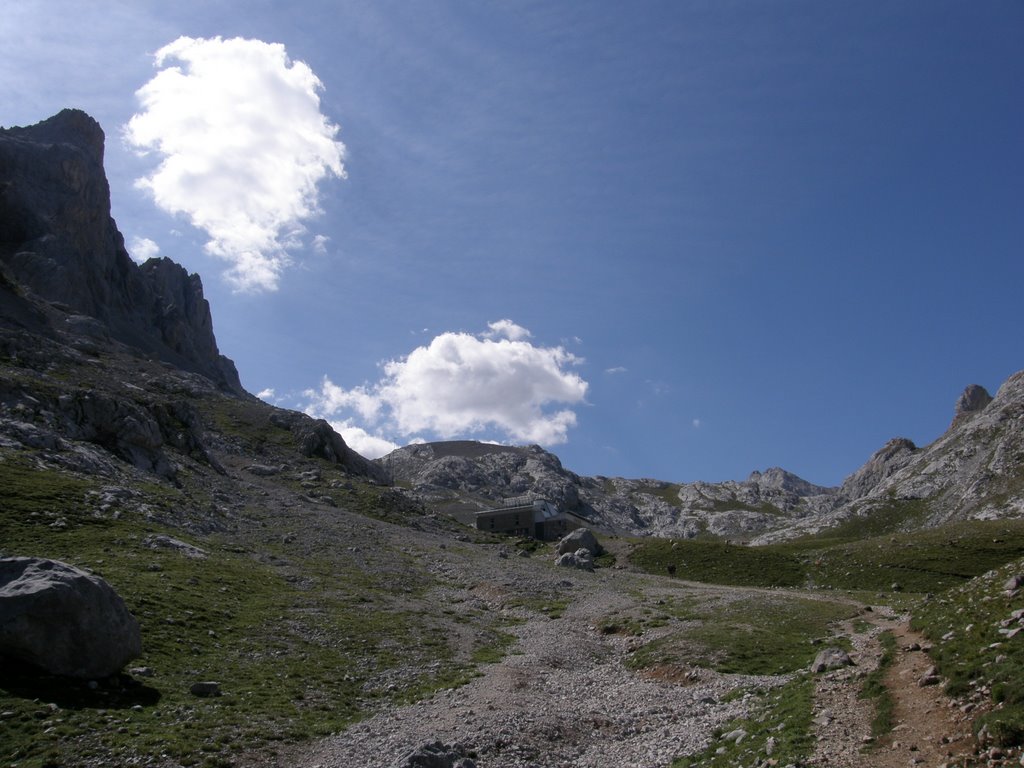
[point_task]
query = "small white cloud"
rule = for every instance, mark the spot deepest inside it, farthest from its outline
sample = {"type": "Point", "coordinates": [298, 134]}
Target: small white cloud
{"type": "Point", "coordinates": [243, 146]}
{"type": "Point", "coordinates": [696, 423]}
{"type": "Point", "coordinates": [266, 394]}
{"type": "Point", "coordinates": [506, 329]}
{"type": "Point", "coordinates": [320, 244]}
{"type": "Point", "coordinates": [142, 249]}
{"type": "Point", "coordinates": [463, 385]}
{"type": "Point", "coordinates": [616, 370]}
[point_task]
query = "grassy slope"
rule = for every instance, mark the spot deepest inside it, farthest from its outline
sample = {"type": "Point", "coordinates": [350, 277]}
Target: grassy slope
{"type": "Point", "coordinates": [954, 574]}
{"type": "Point", "coordinates": [923, 561]}
{"type": "Point", "coordinates": [971, 627]}
{"type": "Point", "coordinates": [302, 638]}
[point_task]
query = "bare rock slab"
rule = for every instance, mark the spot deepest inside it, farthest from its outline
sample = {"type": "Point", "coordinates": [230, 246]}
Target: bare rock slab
{"type": "Point", "coordinates": [64, 620]}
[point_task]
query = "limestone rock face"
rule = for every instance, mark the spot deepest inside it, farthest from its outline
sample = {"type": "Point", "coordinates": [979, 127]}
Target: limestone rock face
{"type": "Point", "coordinates": [973, 471]}
{"type": "Point", "coordinates": [887, 460]}
{"type": "Point", "coordinates": [58, 240]}
{"type": "Point", "coordinates": [445, 473]}
{"type": "Point", "coordinates": [64, 620]}
{"type": "Point", "coordinates": [317, 439]}
{"type": "Point", "coordinates": [972, 400]}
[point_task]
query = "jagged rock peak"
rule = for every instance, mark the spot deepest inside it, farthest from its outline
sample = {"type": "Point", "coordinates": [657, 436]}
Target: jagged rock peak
{"type": "Point", "coordinates": [69, 126]}
{"type": "Point", "coordinates": [58, 240]}
{"type": "Point", "coordinates": [972, 400]}
{"type": "Point", "coordinates": [779, 479]}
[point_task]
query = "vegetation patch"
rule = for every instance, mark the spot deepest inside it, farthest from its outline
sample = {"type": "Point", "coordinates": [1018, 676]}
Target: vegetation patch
{"type": "Point", "coordinates": [303, 638]}
{"type": "Point", "coordinates": [874, 687]}
{"type": "Point", "coordinates": [780, 729]}
{"type": "Point", "coordinates": [927, 560]}
{"type": "Point", "coordinates": [752, 635]}
{"type": "Point", "coordinates": [716, 562]}
{"type": "Point", "coordinates": [977, 632]}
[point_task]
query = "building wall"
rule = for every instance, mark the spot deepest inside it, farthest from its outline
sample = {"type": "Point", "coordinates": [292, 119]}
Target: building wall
{"type": "Point", "coordinates": [519, 521]}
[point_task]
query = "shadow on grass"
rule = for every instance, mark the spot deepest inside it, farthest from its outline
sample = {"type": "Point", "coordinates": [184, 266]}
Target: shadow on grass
{"type": "Point", "coordinates": [21, 680]}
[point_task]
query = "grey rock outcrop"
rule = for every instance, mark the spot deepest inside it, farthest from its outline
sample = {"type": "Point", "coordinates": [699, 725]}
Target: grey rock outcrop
{"type": "Point", "coordinates": [581, 559]}
{"type": "Point", "coordinates": [886, 461]}
{"type": "Point", "coordinates": [459, 474]}
{"type": "Point", "coordinates": [437, 755]}
{"type": "Point", "coordinates": [58, 241]}
{"type": "Point", "coordinates": [317, 439]}
{"type": "Point", "coordinates": [64, 620]}
{"type": "Point", "coordinates": [972, 400]}
{"type": "Point", "coordinates": [581, 538]}
{"type": "Point", "coordinates": [829, 659]}
{"type": "Point", "coordinates": [975, 470]}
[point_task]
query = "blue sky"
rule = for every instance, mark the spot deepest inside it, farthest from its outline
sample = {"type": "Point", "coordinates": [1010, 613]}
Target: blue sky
{"type": "Point", "coordinates": [682, 240]}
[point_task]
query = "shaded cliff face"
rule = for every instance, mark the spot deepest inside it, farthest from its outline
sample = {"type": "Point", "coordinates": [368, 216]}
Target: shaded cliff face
{"type": "Point", "coordinates": [109, 369]}
{"type": "Point", "coordinates": [59, 243]}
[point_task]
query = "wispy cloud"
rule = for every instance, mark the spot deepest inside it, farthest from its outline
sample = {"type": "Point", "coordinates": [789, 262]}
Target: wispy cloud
{"type": "Point", "coordinates": [243, 146]}
{"type": "Point", "coordinates": [462, 384]}
{"type": "Point", "coordinates": [615, 370]}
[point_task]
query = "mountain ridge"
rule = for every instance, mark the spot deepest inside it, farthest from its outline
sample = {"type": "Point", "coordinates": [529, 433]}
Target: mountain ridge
{"type": "Point", "coordinates": [973, 470]}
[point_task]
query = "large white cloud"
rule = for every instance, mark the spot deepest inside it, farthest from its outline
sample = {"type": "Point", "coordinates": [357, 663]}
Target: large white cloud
{"type": "Point", "coordinates": [464, 385]}
{"type": "Point", "coordinates": [244, 146]}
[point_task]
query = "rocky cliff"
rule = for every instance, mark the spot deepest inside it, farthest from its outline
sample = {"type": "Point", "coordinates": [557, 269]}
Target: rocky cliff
{"type": "Point", "coordinates": [107, 367]}
{"type": "Point", "coordinates": [59, 244]}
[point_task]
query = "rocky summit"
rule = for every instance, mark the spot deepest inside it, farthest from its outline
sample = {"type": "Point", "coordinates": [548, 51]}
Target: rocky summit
{"type": "Point", "coordinates": [285, 601]}
{"type": "Point", "coordinates": [65, 267]}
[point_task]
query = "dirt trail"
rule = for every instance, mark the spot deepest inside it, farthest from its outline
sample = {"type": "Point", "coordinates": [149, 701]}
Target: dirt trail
{"type": "Point", "coordinates": [928, 731]}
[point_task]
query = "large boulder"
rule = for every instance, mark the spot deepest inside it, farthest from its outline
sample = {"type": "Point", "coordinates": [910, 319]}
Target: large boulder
{"type": "Point", "coordinates": [64, 620]}
{"type": "Point", "coordinates": [581, 538]}
{"type": "Point", "coordinates": [581, 559]}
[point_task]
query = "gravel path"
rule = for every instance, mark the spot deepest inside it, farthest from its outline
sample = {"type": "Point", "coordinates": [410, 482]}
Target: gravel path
{"type": "Point", "coordinates": [562, 697]}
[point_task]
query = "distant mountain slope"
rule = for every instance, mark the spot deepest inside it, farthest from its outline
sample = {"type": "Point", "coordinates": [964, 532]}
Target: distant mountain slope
{"type": "Point", "coordinates": [975, 470]}
{"type": "Point", "coordinates": [463, 476]}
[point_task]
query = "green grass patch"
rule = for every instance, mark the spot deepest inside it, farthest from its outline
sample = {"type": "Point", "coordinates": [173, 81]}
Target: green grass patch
{"type": "Point", "coordinates": [780, 728]}
{"type": "Point", "coordinates": [495, 650]}
{"type": "Point", "coordinates": [753, 635]}
{"type": "Point", "coordinates": [302, 639]}
{"type": "Point", "coordinates": [874, 687]}
{"type": "Point", "coordinates": [720, 563]}
{"type": "Point", "coordinates": [927, 560]}
{"type": "Point", "coordinates": [970, 630]}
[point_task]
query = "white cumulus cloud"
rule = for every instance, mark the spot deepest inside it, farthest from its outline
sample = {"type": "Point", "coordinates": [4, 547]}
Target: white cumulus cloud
{"type": "Point", "coordinates": [462, 385]}
{"type": "Point", "coordinates": [243, 146]}
{"type": "Point", "coordinates": [362, 442]}
{"type": "Point", "coordinates": [143, 249]}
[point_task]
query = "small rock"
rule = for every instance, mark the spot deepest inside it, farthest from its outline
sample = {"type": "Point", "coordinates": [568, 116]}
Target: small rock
{"type": "Point", "coordinates": [829, 659]}
{"type": "Point", "coordinates": [205, 689]}
{"type": "Point", "coordinates": [1014, 582]}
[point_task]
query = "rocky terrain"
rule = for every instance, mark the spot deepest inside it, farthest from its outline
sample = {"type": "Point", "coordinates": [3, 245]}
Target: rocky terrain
{"type": "Point", "coordinates": [299, 605]}
{"type": "Point", "coordinates": [974, 471]}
